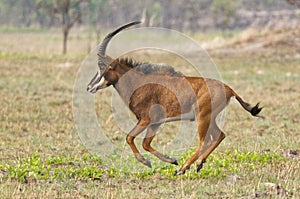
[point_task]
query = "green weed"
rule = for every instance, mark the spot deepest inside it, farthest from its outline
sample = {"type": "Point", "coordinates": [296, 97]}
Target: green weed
{"type": "Point", "coordinates": [34, 168]}
{"type": "Point", "coordinates": [91, 167]}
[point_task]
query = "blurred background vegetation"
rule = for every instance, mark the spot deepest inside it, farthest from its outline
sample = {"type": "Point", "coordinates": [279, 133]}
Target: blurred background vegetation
{"type": "Point", "coordinates": [182, 15]}
{"type": "Point", "coordinates": [188, 16]}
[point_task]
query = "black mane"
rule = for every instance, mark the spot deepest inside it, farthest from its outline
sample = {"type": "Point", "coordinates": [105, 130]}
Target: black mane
{"type": "Point", "coordinates": [148, 68]}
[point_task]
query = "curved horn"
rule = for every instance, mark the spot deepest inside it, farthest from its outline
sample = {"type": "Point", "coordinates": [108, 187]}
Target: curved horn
{"type": "Point", "coordinates": [108, 37]}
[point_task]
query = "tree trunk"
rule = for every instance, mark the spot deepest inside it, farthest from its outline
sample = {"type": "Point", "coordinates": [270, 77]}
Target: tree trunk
{"type": "Point", "coordinates": [165, 14]}
{"type": "Point", "coordinates": [65, 40]}
{"type": "Point", "coordinates": [65, 23]}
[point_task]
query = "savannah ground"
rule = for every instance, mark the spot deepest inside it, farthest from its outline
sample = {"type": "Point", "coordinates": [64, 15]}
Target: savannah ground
{"type": "Point", "coordinates": [41, 155]}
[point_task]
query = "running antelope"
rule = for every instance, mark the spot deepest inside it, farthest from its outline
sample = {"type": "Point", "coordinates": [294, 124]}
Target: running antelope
{"type": "Point", "coordinates": [157, 94]}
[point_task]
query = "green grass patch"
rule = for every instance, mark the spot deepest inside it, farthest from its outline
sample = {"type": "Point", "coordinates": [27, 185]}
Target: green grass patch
{"type": "Point", "coordinates": [34, 168]}
{"type": "Point", "coordinates": [91, 167]}
{"type": "Point", "coordinates": [10, 30]}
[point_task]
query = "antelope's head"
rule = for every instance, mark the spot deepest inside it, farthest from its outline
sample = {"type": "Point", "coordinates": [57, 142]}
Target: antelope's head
{"type": "Point", "coordinates": [106, 75]}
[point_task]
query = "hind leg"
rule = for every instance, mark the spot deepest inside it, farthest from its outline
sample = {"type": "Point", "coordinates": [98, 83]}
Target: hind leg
{"type": "Point", "coordinates": [151, 132]}
{"type": "Point", "coordinates": [212, 140]}
{"type": "Point", "coordinates": [203, 125]}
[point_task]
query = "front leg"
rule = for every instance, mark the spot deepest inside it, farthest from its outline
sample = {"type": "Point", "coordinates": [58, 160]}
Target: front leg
{"type": "Point", "coordinates": [140, 127]}
{"type": "Point", "coordinates": [151, 132]}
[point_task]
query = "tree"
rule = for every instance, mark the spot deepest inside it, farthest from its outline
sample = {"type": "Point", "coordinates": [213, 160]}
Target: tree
{"type": "Point", "coordinates": [69, 13]}
{"type": "Point", "coordinates": [294, 3]}
{"type": "Point", "coordinates": [25, 10]}
{"type": "Point", "coordinates": [98, 10]}
{"type": "Point", "coordinates": [64, 7]}
{"type": "Point", "coordinates": [224, 10]}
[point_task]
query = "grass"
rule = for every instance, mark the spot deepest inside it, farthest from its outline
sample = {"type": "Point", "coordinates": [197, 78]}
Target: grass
{"type": "Point", "coordinates": [41, 154]}
{"type": "Point", "coordinates": [90, 167]}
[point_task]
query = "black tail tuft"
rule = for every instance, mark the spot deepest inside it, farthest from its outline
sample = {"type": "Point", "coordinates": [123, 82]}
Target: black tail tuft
{"type": "Point", "coordinates": [255, 110]}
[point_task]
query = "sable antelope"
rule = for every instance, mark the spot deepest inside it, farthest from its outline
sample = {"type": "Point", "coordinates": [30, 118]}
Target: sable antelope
{"type": "Point", "coordinates": [157, 94]}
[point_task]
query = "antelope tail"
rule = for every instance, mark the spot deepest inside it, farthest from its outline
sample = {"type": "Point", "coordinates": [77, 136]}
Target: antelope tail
{"type": "Point", "coordinates": [254, 110]}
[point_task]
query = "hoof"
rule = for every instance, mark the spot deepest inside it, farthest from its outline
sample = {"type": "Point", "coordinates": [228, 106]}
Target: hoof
{"type": "Point", "coordinates": [201, 165]}
{"type": "Point", "coordinates": [179, 173]}
{"type": "Point", "coordinates": [174, 161]}
{"type": "Point", "coordinates": [147, 163]}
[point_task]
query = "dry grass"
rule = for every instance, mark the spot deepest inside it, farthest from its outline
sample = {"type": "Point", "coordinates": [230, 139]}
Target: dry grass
{"type": "Point", "coordinates": [251, 39]}
{"type": "Point", "coordinates": [36, 85]}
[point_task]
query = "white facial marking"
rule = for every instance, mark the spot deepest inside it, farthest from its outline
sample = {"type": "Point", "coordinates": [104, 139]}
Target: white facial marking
{"type": "Point", "coordinates": [101, 82]}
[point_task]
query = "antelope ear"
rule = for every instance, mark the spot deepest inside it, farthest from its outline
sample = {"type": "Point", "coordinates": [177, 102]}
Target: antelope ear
{"type": "Point", "coordinates": [105, 59]}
